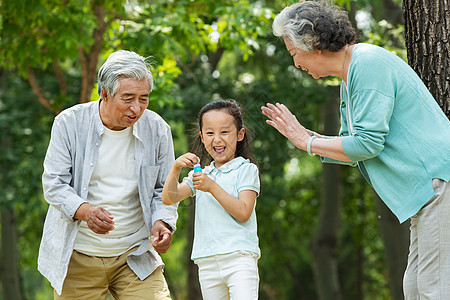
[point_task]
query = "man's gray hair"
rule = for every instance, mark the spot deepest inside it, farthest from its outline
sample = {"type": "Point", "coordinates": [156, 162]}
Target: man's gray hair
{"type": "Point", "coordinates": [123, 64]}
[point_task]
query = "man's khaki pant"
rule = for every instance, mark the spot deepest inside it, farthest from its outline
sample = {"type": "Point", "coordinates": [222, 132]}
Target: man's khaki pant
{"type": "Point", "coordinates": [91, 277]}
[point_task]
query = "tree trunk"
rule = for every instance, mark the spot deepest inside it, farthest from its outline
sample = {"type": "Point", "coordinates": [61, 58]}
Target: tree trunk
{"type": "Point", "coordinates": [89, 56]}
{"type": "Point", "coordinates": [324, 241]}
{"type": "Point", "coordinates": [9, 263]}
{"type": "Point", "coordinates": [396, 247]}
{"type": "Point", "coordinates": [427, 33]}
{"type": "Point", "coordinates": [194, 292]}
{"type": "Point", "coordinates": [9, 272]}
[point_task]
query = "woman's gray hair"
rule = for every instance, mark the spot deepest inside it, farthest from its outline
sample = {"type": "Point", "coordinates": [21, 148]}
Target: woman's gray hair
{"type": "Point", "coordinates": [314, 25]}
{"type": "Point", "coordinates": [123, 64]}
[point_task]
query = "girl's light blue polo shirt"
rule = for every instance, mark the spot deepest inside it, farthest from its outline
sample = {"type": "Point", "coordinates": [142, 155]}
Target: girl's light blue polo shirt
{"type": "Point", "coordinates": [215, 230]}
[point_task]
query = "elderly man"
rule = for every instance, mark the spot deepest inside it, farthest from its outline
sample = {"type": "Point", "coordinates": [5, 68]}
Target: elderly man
{"type": "Point", "coordinates": [103, 176]}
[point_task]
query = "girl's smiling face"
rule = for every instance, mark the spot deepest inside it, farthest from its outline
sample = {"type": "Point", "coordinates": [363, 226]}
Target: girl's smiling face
{"type": "Point", "coordinates": [219, 135]}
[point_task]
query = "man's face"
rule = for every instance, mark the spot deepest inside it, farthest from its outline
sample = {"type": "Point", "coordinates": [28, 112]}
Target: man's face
{"type": "Point", "coordinates": [126, 106]}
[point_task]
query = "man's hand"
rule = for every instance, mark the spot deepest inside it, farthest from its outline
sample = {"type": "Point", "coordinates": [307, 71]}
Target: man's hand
{"type": "Point", "coordinates": [162, 235]}
{"type": "Point", "coordinates": [99, 220]}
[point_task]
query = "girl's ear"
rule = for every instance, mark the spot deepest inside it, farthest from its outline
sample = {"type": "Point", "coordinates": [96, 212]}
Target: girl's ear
{"type": "Point", "coordinates": [241, 134]}
{"type": "Point", "coordinates": [201, 136]}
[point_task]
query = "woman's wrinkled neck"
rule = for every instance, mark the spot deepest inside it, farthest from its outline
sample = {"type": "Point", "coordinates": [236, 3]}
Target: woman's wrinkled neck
{"type": "Point", "coordinates": [346, 61]}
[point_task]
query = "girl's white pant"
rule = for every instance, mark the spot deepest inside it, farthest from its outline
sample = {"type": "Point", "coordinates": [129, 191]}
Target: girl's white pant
{"type": "Point", "coordinates": [229, 276]}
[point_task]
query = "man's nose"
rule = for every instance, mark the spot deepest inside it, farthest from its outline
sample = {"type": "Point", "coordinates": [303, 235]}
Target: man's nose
{"type": "Point", "coordinates": [134, 107]}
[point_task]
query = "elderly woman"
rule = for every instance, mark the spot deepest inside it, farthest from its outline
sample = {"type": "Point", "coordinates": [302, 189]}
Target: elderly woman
{"type": "Point", "coordinates": [391, 127]}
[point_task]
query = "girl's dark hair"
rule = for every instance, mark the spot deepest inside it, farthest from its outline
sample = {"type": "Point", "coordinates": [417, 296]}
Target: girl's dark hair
{"type": "Point", "coordinates": [231, 107]}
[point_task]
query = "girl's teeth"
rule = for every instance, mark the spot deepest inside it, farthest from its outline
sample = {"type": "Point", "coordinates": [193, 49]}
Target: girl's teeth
{"type": "Point", "coordinates": [219, 149]}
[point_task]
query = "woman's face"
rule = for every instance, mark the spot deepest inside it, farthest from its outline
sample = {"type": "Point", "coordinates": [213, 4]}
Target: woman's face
{"type": "Point", "coordinates": [309, 62]}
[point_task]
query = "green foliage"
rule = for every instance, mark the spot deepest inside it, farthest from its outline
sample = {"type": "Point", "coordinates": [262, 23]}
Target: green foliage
{"type": "Point", "coordinates": [25, 128]}
{"type": "Point", "coordinates": [201, 51]}
{"type": "Point", "coordinates": [179, 33]}
{"type": "Point", "coordinates": [35, 33]}
{"type": "Point", "coordinates": [389, 37]}
{"type": "Point", "coordinates": [360, 246]}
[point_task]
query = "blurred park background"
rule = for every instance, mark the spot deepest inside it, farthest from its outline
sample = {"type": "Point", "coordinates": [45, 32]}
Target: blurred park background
{"type": "Point", "coordinates": [324, 233]}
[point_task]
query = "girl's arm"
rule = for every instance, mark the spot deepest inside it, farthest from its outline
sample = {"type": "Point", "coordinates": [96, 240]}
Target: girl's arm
{"type": "Point", "coordinates": [173, 192]}
{"type": "Point", "coordinates": [241, 208]}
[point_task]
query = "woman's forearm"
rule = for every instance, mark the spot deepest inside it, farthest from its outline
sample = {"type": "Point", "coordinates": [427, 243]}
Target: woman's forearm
{"type": "Point", "coordinates": [331, 148]}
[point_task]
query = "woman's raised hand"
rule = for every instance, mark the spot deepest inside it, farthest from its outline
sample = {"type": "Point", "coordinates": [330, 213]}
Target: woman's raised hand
{"type": "Point", "coordinates": [287, 124]}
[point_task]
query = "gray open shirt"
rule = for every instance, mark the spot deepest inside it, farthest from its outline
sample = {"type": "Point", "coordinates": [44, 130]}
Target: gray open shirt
{"type": "Point", "coordinates": [69, 162]}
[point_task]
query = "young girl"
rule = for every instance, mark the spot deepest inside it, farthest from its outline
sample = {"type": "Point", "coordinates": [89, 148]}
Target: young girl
{"type": "Point", "coordinates": [225, 239]}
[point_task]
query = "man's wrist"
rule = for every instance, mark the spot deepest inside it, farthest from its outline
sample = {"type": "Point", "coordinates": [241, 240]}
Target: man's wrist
{"type": "Point", "coordinates": [81, 212]}
{"type": "Point", "coordinates": [165, 225]}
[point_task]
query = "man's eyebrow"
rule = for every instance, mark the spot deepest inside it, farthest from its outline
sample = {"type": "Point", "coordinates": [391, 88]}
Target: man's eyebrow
{"type": "Point", "coordinates": [131, 94]}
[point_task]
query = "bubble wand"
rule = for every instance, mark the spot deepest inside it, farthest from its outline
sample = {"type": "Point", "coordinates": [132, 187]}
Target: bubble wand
{"type": "Point", "coordinates": [197, 166]}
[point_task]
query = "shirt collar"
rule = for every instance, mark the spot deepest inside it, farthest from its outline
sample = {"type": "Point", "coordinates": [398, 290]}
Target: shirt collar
{"type": "Point", "coordinates": [97, 120]}
{"type": "Point", "coordinates": [227, 167]}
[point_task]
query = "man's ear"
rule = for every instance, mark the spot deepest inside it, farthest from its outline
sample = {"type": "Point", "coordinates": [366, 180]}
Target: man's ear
{"type": "Point", "coordinates": [241, 134]}
{"type": "Point", "coordinates": [105, 96]}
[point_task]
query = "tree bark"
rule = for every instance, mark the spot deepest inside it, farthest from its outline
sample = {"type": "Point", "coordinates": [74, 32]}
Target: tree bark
{"type": "Point", "coordinates": [9, 261]}
{"type": "Point", "coordinates": [396, 247]}
{"type": "Point", "coordinates": [37, 90]}
{"type": "Point", "coordinates": [9, 272]}
{"type": "Point", "coordinates": [60, 77]}
{"type": "Point", "coordinates": [324, 241]}
{"type": "Point", "coordinates": [214, 58]}
{"type": "Point", "coordinates": [194, 292]}
{"type": "Point", "coordinates": [427, 30]}
{"type": "Point", "coordinates": [89, 57]}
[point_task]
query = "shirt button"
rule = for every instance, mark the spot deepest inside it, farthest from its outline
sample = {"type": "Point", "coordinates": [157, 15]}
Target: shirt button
{"type": "Point", "coordinates": [91, 164]}
{"type": "Point", "coordinates": [84, 189]}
